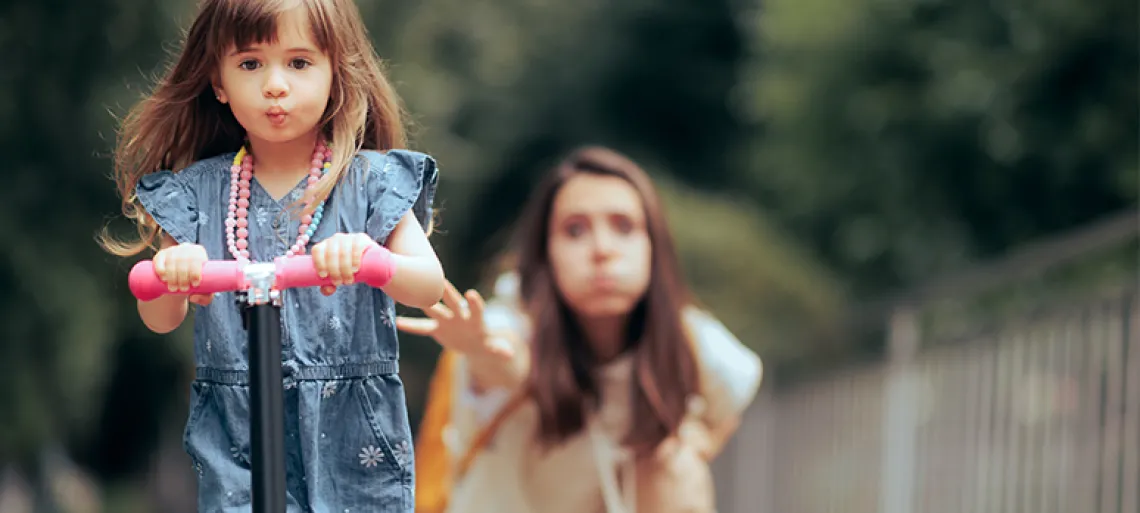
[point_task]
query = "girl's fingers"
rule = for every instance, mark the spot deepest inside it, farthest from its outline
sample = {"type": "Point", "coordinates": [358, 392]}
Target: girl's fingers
{"type": "Point", "coordinates": [347, 255]}
{"type": "Point", "coordinates": [161, 269]}
{"type": "Point", "coordinates": [201, 299]}
{"type": "Point", "coordinates": [318, 254]}
{"type": "Point", "coordinates": [332, 261]}
{"type": "Point", "coordinates": [359, 243]}
{"type": "Point", "coordinates": [182, 274]}
{"type": "Point", "coordinates": [195, 273]}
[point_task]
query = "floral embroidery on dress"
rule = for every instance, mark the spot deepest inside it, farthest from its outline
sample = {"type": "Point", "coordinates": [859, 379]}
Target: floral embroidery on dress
{"type": "Point", "coordinates": [403, 452]}
{"type": "Point", "coordinates": [371, 456]}
{"type": "Point", "coordinates": [328, 390]}
{"type": "Point", "coordinates": [335, 324]}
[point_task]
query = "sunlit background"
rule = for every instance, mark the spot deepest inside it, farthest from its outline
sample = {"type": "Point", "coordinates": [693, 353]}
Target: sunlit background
{"type": "Point", "coordinates": [921, 213]}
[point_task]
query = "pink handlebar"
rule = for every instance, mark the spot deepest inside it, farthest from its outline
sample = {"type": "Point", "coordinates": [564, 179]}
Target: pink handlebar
{"type": "Point", "coordinates": [376, 269]}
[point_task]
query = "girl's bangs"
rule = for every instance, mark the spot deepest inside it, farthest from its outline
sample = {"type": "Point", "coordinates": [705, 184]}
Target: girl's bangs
{"type": "Point", "coordinates": [243, 23]}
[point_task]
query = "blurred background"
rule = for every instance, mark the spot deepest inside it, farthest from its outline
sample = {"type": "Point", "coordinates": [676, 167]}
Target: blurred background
{"type": "Point", "coordinates": [921, 213]}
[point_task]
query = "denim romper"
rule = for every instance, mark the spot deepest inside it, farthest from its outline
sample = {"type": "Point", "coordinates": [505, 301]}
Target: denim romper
{"type": "Point", "coordinates": [348, 445]}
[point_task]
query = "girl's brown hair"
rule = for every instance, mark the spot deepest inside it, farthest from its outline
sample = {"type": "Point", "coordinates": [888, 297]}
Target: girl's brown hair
{"type": "Point", "coordinates": [181, 121]}
{"type": "Point", "coordinates": [562, 380]}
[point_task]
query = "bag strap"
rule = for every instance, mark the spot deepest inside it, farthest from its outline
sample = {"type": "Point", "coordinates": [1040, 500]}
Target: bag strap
{"type": "Point", "coordinates": [617, 499]}
{"type": "Point", "coordinates": [484, 435]}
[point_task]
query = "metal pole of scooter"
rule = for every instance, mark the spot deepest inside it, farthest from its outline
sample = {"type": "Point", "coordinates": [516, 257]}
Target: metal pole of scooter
{"type": "Point", "coordinates": [267, 431]}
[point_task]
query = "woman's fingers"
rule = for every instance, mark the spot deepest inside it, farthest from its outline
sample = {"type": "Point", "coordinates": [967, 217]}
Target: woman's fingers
{"type": "Point", "coordinates": [453, 299]}
{"type": "Point", "coordinates": [417, 325]}
{"type": "Point", "coordinates": [439, 312]}
{"type": "Point", "coordinates": [476, 305]}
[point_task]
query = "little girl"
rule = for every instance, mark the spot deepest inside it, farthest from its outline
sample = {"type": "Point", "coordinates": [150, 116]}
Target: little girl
{"type": "Point", "coordinates": [283, 128]}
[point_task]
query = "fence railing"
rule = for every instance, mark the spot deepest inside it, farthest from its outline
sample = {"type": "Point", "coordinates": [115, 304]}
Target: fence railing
{"type": "Point", "coordinates": [1037, 412]}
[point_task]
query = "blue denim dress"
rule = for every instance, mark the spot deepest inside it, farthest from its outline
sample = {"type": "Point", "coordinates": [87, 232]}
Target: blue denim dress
{"type": "Point", "coordinates": [348, 444]}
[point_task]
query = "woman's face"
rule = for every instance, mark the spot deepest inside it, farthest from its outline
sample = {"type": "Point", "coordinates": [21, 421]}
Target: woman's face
{"type": "Point", "coordinates": [599, 246]}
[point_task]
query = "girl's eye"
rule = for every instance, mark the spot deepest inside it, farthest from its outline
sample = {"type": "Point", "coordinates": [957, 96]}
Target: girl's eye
{"type": "Point", "coordinates": [248, 64]}
{"type": "Point", "coordinates": [301, 63]}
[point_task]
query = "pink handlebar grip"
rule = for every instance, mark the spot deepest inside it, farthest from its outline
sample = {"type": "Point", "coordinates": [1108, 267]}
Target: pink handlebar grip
{"type": "Point", "coordinates": [217, 276]}
{"type": "Point", "coordinates": [376, 270]}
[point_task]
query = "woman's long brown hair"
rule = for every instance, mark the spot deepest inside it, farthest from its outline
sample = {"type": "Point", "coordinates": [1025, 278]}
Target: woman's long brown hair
{"type": "Point", "coordinates": [562, 380]}
{"type": "Point", "coordinates": [181, 121]}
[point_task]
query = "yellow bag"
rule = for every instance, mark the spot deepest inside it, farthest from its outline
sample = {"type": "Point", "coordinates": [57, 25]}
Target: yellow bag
{"type": "Point", "coordinates": [434, 476]}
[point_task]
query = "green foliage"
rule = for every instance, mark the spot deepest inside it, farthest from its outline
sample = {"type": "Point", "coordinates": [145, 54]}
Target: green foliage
{"type": "Point", "coordinates": [754, 279]}
{"type": "Point", "coordinates": [901, 139]}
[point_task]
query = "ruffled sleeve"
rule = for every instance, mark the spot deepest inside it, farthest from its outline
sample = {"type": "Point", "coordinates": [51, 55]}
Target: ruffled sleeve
{"type": "Point", "coordinates": [173, 204]}
{"type": "Point", "coordinates": [398, 181]}
{"type": "Point", "coordinates": [730, 372]}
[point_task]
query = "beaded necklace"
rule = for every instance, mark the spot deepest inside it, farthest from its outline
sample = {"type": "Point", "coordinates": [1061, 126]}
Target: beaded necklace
{"type": "Point", "coordinates": [237, 218]}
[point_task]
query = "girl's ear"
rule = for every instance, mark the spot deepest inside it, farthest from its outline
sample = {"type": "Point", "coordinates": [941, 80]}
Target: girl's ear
{"type": "Point", "coordinates": [219, 92]}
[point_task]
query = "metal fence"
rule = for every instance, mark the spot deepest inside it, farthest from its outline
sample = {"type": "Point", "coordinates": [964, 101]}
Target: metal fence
{"type": "Point", "coordinates": [1036, 413]}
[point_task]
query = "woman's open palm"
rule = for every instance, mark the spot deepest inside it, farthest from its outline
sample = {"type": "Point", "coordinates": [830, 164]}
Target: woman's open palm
{"type": "Point", "coordinates": [458, 324]}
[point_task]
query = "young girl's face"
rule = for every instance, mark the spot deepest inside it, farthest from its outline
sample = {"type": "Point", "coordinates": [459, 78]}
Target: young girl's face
{"type": "Point", "coordinates": [278, 91]}
{"type": "Point", "coordinates": [599, 247]}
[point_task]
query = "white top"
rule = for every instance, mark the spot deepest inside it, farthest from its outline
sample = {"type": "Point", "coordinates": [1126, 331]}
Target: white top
{"type": "Point", "coordinates": [513, 475]}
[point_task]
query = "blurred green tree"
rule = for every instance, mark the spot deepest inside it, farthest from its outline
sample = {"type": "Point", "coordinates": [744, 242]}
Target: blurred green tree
{"type": "Point", "coordinates": [902, 139]}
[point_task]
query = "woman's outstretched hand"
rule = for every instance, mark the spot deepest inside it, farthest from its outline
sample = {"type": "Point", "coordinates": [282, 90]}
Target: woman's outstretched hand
{"type": "Point", "coordinates": [458, 324]}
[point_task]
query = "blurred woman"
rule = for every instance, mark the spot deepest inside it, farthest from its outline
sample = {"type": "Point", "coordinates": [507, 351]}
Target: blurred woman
{"type": "Point", "coordinates": [590, 382]}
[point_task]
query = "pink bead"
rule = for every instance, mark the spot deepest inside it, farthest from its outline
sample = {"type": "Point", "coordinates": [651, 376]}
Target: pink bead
{"type": "Point", "coordinates": [243, 193]}
{"type": "Point", "coordinates": [302, 229]}
{"type": "Point", "coordinates": [304, 239]}
{"type": "Point", "coordinates": [317, 162]}
{"type": "Point", "coordinates": [241, 244]}
{"type": "Point", "coordinates": [247, 166]}
{"type": "Point", "coordinates": [243, 183]}
{"type": "Point", "coordinates": [243, 203]}
{"type": "Point", "coordinates": [328, 153]}
{"type": "Point", "coordinates": [289, 253]}
{"type": "Point", "coordinates": [242, 233]}
{"type": "Point", "coordinates": [235, 168]}
{"type": "Point", "coordinates": [230, 223]}
{"type": "Point", "coordinates": [246, 175]}
{"type": "Point", "coordinates": [233, 209]}
{"type": "Point", "coordinates": [245, 254]}
{"type": "Point", "coordinates": [242, 223]}
{"type": "Point", "coordinates": [242, 212]}
{"type": "Point", "coordinates": [307, 219]}
{"type": "Point", "coordinates": [313, 180]}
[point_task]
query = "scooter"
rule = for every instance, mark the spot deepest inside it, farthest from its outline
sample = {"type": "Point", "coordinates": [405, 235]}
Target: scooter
{"type": "Point", "coordinates": [260, 287]}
